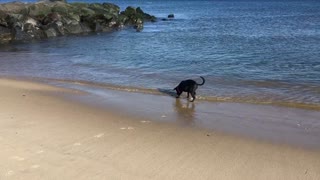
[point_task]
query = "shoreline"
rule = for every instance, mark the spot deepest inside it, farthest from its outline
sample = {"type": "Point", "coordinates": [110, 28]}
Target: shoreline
{"type": "Point", "coordinates": [47, 133]}
{"type": "Point", "coordinates": [68, 83]}
{"type": "Point", "coordinates": [267, 123]}
{"type": "Point", "coordinates": [209, 99]}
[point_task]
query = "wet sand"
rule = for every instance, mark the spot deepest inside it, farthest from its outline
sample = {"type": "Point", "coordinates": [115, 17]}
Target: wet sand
{"type": "Point", "coordinates": [54, 133]}
{"type": "Point", "coordinates": [276, 124]}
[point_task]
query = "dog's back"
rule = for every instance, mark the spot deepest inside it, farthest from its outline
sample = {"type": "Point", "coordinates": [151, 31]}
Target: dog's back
{"type": "Point", "coordinates": [187, 85]}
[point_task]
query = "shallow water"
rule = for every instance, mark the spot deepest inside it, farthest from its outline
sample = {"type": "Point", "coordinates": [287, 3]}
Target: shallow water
{"type": "Point", "coordinates": [248, 51]}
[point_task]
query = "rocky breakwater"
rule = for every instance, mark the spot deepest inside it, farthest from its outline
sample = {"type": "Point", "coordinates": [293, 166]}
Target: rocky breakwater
{"type": "Point", "coordinates": [44, 19]}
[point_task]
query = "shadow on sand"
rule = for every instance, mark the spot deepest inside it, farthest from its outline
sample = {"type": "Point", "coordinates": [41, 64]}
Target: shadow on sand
{"type": "Point", "coordinates": [169, 92]}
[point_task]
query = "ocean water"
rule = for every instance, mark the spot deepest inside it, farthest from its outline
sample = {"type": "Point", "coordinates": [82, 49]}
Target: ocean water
{"type": "Point", "coordinates": [248, 51]}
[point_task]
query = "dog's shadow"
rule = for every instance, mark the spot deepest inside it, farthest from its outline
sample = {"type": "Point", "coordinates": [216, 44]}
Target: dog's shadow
{"type": "Point", "coordinates": [169, 92]}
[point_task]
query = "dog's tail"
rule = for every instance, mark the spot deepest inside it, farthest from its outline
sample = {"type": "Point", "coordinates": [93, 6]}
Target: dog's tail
{"type": "Point", "coordinates": [203, 81]}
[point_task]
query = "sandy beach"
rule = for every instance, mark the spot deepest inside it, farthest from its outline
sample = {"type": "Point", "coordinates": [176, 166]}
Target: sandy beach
{"type": "Point", "coordinates": [44, 135]}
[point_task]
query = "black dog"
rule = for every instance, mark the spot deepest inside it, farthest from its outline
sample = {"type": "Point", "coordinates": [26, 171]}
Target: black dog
{"type": "Point", "coordinates": [190, 86]}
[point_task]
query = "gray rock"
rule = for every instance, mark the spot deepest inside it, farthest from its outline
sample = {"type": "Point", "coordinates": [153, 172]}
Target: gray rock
{"type": "Point", "coordinates": [50, 32]}
{"type": "Point", "coordinates": [20, 35]}
{"type": "Point", "coordinates": [64, 1]}
{"type": "Point", "coordinates": [138, 25]}
{"type": "Point", "coordinates": [85, 28]}
{"type": "Point", "coordinates": [38, 10]}
{"type": "Point", "coordinates": [51, 18]}
{"type": "Point", "coordinates": [73, 28]}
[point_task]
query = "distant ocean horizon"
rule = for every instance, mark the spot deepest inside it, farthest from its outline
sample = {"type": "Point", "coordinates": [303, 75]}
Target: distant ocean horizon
{"type": "Point", "coordinates": [264, 52]}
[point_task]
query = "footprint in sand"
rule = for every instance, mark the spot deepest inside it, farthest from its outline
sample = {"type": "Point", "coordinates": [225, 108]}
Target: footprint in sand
{"type": "Point", "coordinates": [17, 158]}
{"type": "Point", "coordinates": [9, 173]}
{"type": "Point", "coordinates": [127, 128]}
{"type": "Point", "coordinates": [30, 123]}
{"type": "Point", "coordinates": [145, 121]}
{"type": "Point", "coordinates": [40, 152]}
{"type": "Point", "coordinates": [36, 166]}
{"type": "Point", "coordinates": [99, 135]}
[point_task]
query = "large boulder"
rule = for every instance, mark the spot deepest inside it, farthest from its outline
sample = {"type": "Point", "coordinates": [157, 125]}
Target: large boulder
{"type": "Point", "coordinates": [73, 27]}
{"type": "Point", "coordinates": [14, 7]}
{"type": "Point", "coordinates": [131, 15]}
{"type": "Point", "coordinates": [23, 28]}
{"type": "Point", "coordinates": [20, 35]}
{"type": "Point", "coordinates": [51, 18]}
{"type": "Point", "coordinates": [38, 9]}
{"type": "Point", "coordinates": [146, 16]}
{"type": "Point", "coordinates": [32, 28]}
{"type": "Point", "coordinates": [171, 16]}
{"type": "Point", "coordinates": [5, 35]}
{"type": "Point", "coordinates": [54, 29]}
{"type": "Point", "coordinates": [135, 15]}
{"type": "Point", "coordinates": [111, 8]}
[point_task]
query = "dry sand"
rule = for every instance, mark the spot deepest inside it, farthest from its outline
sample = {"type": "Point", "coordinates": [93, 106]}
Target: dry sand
{"type": "Point", "coordinates": [44, 136]}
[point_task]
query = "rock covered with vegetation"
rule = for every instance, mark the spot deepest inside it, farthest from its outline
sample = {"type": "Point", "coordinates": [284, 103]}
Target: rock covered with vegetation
{"type": "Point", "coordinates": [44, 19]}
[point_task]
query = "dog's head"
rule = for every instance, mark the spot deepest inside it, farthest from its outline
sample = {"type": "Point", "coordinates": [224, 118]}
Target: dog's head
{"type": "Point", "coordinates": [178, 91]}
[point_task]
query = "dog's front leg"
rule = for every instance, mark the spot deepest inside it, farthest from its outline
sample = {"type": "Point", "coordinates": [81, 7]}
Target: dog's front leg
{"type": "Point", "coordinates": [193, 96]}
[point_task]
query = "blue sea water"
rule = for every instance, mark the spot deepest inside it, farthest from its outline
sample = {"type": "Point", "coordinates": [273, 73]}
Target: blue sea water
{"type": "Point", "coordinates": [248, 51]}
